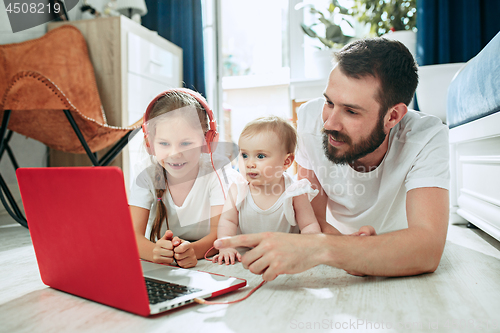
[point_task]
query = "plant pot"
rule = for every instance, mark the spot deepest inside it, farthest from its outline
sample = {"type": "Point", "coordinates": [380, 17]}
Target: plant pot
{"type": "Point", "coordinates": [407, 37]}
{"type": "Point", "coordinates": [322, 64]}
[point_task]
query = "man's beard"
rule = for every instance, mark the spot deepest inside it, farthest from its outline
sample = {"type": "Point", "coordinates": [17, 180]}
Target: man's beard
{"type": "Point", "coordinates": [356, 151]}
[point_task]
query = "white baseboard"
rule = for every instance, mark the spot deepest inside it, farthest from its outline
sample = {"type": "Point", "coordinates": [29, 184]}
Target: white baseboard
{"type": "Point", "coordinates": [484, 225]}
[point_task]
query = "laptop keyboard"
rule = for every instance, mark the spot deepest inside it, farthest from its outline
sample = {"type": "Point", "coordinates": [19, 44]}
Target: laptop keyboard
{"type": "Point", "coordinates": [160, 291]}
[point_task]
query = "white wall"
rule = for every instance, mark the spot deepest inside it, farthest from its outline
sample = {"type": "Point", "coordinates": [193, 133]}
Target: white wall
{"type": "Point", "coordinates": [213, 86]}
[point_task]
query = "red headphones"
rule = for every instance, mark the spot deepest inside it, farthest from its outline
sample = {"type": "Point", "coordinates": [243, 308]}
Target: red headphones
{"type": "Point", "coordinates": [210, 137]}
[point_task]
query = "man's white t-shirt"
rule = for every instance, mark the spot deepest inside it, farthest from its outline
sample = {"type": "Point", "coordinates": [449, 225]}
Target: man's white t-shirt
{"type": "Point", "coordinates": [417, 156]}
{"type": "Point", "coordinates": [191, 221]}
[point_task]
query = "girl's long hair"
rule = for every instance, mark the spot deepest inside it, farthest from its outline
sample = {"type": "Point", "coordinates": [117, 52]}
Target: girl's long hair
{"type": "Point", "coordinates": [170, 102]}
{"type": "Point", "coordinates": [161, 210]}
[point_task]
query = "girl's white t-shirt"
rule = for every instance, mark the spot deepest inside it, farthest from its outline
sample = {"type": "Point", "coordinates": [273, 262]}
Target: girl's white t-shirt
{"type": "Point", "coordinates": [191, 221]}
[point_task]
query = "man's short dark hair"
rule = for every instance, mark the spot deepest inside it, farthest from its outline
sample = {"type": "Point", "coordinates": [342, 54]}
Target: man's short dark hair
{"type": "Point", "coordinates": [387, 60]}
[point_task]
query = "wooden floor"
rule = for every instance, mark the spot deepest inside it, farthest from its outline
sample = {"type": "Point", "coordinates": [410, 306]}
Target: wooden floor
{"type": "Point", "coordinates": [463, 295]}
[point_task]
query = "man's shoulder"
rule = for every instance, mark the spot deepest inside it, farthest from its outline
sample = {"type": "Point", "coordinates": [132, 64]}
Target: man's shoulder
{"type": "Point", "coordinates": [309, 116]}
{"type": "Point", "coordinates": [419, 127]}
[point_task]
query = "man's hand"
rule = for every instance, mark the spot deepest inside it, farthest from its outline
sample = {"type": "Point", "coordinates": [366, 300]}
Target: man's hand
{"type": "Point", "coordinates": [276, 253]}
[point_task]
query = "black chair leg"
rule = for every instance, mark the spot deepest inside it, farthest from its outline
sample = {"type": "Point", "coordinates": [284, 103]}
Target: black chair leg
{"type": "Point", "coordinates": [8, 200]}
{"type": "Point", "coordinates": [15, 212]}
{"type": "Point", "coordinates": [79, 134]}
{"type": "Point", "coordinates": [110, 155]}
{"type": "Point", "coordinates": [11, 154]}
{"type": "Point", "coordinates": [117, 148]}
{"type": "Point", "coordinates": [3, 130]}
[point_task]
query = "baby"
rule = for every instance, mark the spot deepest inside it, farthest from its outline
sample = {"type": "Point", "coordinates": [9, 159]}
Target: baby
{"type": "Point", "coordinates": [266, 198]}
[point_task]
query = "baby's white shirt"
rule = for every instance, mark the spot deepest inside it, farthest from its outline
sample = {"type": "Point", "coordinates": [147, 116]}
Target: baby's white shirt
{"type": "Point", "coordinates": [280, 217]}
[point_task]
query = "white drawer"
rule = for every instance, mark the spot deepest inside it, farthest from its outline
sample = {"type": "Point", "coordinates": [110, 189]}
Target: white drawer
{"type": "Point", "coordinates": [141, 91]}
{"type": "Point", "coordinates": [151, 61]}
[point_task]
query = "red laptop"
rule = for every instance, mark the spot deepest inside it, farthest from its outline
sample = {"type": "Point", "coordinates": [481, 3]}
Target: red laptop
{"type": "Point", "coordinates": [84, 243]}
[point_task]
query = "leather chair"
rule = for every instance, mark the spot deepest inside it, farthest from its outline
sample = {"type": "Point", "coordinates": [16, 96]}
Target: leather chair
{"type": "Point", "coordinates": [48, 92]}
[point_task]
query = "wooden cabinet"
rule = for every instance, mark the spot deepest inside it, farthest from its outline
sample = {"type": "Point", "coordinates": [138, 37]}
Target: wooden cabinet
{"type": "Point", "coordinates": [132, 65]}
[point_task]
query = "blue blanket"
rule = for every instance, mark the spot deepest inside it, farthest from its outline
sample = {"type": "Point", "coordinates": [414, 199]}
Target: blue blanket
{"type": "Point", "coordinates": [475, 92]}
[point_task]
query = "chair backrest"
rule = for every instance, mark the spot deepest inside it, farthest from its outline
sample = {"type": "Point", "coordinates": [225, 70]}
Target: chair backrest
{"type": "Point", "coordinates": [42, 77]}
{"type": "Point", "coordinates": [61, 56]}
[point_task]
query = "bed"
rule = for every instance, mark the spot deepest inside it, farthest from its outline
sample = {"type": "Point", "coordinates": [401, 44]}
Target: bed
{"type": "Point", "coordinates": [474, 121]}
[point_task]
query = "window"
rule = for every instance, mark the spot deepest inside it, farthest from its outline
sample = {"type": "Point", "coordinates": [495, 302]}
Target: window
{"type": "Point", "coordinates": [254, 62]}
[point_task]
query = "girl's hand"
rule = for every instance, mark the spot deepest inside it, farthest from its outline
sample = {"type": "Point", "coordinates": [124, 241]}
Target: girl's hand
{"type": "Point", "coordinates": [163, 252]}
{"type": "Point", "coordinates": [184, 253]}
{"type": "Point", "coordinates": [227, 255]}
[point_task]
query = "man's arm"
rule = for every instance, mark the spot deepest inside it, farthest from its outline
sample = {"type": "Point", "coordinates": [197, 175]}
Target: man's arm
{"type": "Point", "coordinates": [319, 202]}
{"type": "Point", "coordinates": [411, 251]}
{"type": "Point", "coordinates": [415, 250]}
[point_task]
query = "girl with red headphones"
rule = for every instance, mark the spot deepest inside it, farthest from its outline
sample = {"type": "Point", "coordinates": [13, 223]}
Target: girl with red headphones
{"type": "Point", "coordinates": [176, 202]}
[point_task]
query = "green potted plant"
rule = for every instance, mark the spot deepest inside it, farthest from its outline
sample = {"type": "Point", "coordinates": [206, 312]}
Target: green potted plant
{"type": "Point", "coordinates": [386, 15]}
{"type": "Point", "coordinates": [334, 36]}
{"type": "Point", "coordinates": [392, 19]}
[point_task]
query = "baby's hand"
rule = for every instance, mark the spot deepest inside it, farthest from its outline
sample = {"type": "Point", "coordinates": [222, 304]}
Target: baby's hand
{"type": "Point", "coordinates": [227, 255]}
{"type": "Point", "coordinates": [184, 253]}
{"type": "Point", "coordinates": [163, 252]}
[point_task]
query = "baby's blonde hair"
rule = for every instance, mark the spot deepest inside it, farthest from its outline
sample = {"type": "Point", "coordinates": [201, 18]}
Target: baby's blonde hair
{"type": "Point", "coordinates": [283, 129]}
